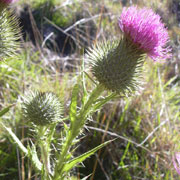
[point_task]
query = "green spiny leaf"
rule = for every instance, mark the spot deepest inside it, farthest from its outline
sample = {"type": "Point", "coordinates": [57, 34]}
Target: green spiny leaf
{"type": "Point", "coordinates": [32, 153]}
{"type": "Point", "coordinates": [82, 157]}
{"type": "Point", "coordinates": [103, 101]}
{"type": "Point", "coordinates": [9, 35]}
{"type": "Point", "coordinates": [52, 129]}
{"type": "Point", "coordinates": [73, 106]}
{"type": "Point", "coordinates": [15, 139]}
{"type": "Point", "coordinates": [83, 82]}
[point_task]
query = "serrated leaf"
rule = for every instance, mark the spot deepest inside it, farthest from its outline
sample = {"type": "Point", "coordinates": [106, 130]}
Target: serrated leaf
{"type": "Point", "coordinates": [15, 139]}
{"type": "Point", "coordinates": [103, 101]}
{"type": "Point", "coordinates": [5, 110]}
{"type": "Point", "coordinates": [73, 106]}
{"type": "Point", "coordinates": [69, 165]}
{"type": "Point", "coordinates": [32, 153]}
{"type": "Point", "coordinates": [83, 82]}
{"type": "Point", "coordinates": [52, 129]}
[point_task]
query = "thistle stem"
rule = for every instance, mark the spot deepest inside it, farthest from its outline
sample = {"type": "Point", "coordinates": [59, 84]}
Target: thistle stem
{"type": "Point", "coordinates": [43, 144]}
{"type": "Point", "coordinates": [75, 130]}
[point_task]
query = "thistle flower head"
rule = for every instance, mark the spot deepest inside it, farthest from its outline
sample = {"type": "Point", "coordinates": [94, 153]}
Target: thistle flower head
{"type": "Point", "coordinates": [9, 35]}
{"type": "Point", "coordinates": [176, 162]}
{"type": "Point", "coordinates": [7, 1]}
{"type": "Point", "coordinates": [117, 65]}
{"type": "Point", "coordinates": [146, 30]}
{"type": "Point", "coordinates": [42, 108]}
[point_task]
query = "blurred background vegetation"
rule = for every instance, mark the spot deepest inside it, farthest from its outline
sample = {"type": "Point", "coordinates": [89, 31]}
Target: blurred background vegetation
{"type": "Point", "coordinates": [56, 33]}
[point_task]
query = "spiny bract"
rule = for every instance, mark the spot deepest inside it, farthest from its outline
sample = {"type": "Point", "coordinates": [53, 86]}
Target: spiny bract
{"type": "Point", "coordinates": [42, 108]}
{"type": "Point", "coordinates": [117, 65]}
{"type": "Point", "coordinates": [9, 35]}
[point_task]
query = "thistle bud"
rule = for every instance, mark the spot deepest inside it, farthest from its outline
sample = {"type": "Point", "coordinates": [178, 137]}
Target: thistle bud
{"type": "Point", "coordinates": [117, 65]}
{"type": "Point", "coordinates": [9, 35]}
{"type": "Point", "coordinates": [42, 108]}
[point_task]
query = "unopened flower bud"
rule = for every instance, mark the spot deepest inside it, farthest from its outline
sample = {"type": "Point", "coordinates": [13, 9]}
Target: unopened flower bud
{"type": "Point", "coordinates": [117, 65]}
{"type": "Point", "coordinates": [9, 35]}
{"type": "Point", "coordinates": [42, 108]}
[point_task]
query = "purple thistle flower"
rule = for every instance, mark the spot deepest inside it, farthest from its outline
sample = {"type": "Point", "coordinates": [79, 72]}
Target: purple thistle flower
{"type": "Point", "coordinates": [7, 1]}
{"type": "Point", "coordinates": [176, 162]}
{"type": "Point", "coordinates": [146, 30]}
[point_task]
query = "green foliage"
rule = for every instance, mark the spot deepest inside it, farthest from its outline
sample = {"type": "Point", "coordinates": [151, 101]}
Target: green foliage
{"type": "Point", "coordinates": [62, 20]}
{"type": "Point", "coordinates": [46, 8]}
{"type": "Point", "coordinates": [74, 162]}
{"type": "Point", "coordinates": [9, 166]}
{"type": "Point", "coordinates": [5, 110]}
{"type": "Point", "coordinates": [73, 106]}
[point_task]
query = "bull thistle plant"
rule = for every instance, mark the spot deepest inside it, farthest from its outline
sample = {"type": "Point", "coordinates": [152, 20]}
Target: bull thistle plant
{"type": "Point", "coordinates": [116, 67]}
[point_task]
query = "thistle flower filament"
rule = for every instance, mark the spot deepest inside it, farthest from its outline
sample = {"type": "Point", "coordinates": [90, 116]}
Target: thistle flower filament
{"type": "Point", "coordinates": [146, 30]}
{"type": "Point", "coordinates": [7, 1]}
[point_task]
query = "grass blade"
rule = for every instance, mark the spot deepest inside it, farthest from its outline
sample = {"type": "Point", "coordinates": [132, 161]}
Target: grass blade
{"type": "Point", "coordinates": [5, 110]}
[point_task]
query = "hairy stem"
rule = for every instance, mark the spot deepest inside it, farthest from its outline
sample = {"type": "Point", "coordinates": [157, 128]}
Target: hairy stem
{"type": "Point", "coordinates": [45, 149]}
{"type": "Point", "coordinates": [75, 130]}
